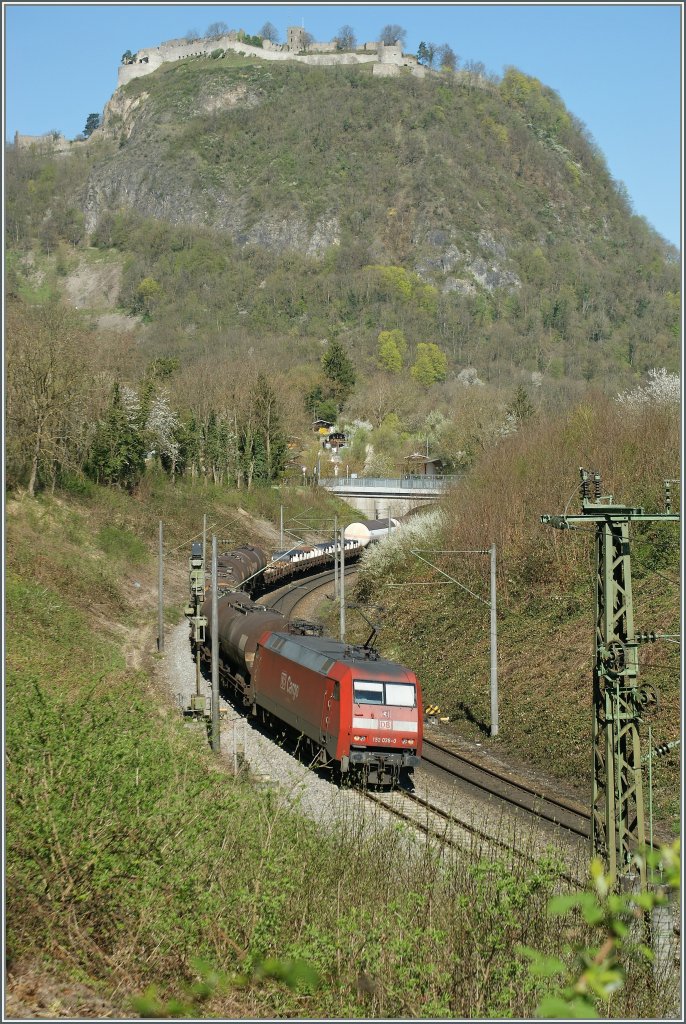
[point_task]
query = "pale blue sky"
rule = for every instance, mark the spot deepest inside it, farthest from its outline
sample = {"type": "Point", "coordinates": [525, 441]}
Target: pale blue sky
{"type": "Point", "coordinates": [617, 66]}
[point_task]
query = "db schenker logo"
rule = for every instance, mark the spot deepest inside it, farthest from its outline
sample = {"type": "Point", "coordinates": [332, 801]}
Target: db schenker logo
{"type": "Point", "coordinates": [288, 686]}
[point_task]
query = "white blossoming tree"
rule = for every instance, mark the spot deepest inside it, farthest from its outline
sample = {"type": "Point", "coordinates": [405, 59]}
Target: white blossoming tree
{"type": "Point", "coordinates": [662, 388]}
{"type": "Point", "coordinates": [162, 427]}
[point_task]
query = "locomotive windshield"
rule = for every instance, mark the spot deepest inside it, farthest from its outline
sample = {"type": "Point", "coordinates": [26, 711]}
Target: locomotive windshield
{"type": "Point", "coordinates": [370, 691]}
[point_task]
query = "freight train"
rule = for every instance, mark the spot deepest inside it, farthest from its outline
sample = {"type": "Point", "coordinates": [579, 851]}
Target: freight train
{"type": "Point", "coordinates": [354, 710]}
{"type": "Point", "coordinates": [250, 568]}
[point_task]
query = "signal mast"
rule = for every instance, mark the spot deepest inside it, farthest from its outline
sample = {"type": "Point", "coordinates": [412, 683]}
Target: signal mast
{"type": "Point", "coordinates": [619, 700]}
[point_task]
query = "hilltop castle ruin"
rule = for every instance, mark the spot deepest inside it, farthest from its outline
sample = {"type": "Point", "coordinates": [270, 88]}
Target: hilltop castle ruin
{"type": "Point", "coordinates": [385, 60]}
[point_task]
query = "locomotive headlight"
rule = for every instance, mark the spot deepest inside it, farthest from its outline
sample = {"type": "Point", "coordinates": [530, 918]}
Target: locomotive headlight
{"type": "Point", "coordinates": [359, 739]}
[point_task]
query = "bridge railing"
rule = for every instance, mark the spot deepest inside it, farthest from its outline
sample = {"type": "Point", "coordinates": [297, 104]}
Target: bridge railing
{"type": "Point", "coordinates": [402, 483]}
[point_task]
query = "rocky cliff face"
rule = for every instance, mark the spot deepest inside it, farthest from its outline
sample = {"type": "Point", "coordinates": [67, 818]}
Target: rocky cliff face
{"type": "Point", "coordinates": [135, 178]}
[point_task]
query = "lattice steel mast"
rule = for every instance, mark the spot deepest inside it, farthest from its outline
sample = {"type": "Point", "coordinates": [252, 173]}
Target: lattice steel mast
{"type": "Point", "coordinates": [617, 820]}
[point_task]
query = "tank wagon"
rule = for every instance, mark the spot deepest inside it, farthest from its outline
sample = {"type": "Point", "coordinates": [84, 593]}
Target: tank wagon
{"type": "Point", "coordinates": [355, 710]}
{"type": "Point", "coordinates": [234, 568]}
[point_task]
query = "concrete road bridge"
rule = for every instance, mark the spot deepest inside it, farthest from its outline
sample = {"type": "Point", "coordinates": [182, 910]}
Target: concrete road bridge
{"type": "Point", "coordinates": [378, 497]}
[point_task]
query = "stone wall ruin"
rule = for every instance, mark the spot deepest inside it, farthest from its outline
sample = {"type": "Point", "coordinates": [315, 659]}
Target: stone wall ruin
{"type": "Point", "coordinates": [386, 60]}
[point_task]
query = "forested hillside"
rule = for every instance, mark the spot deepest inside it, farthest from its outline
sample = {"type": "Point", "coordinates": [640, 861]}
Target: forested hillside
{"type": "Point", "coordinates": [458, 238]}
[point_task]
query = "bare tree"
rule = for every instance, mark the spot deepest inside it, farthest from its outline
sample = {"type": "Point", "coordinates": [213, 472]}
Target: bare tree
{"type": "Point", "coordinates": [48, 388]}
{"type": "Point", "coordinates": [217, 28]}
{"type": "Point", "coordinates": [345, 40]}
{"type": "Point", "coordinates": [269, 32]}
{"type": "Point", "coordinates": [475, 69]}
{"type": "Point", "coordinates": [447, 58]}
{"type": "Point", "coordinates": [391, 34]}
{"type": "Point", "coordinates": [308, 39]}
{"type": "Point", "coordinates": [192, 35]}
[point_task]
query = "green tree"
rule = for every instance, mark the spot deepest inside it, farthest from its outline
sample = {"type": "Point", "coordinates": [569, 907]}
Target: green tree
{"type": "Point", "coordinates": [447, 58]}
{"type": "Point", "coordinates": [117, 455]}
{"type": "Point", "coordinates": [426, 54]}
{"type": "Point", "coordinates": [431, 364]}
{"type": "Point", "coordinates": [146, 296]}
{"type": "Point", "coordinates": [521, 408]}
{"type": "Point", "coordinates": [268, 430]}
{"type": "Point", "coordinates": [339, 370]}
{"type": "Point", "coordinates": [319, 406]}
{"type": "Point", "coordinates": [392, 349]}
{"type": "Point", "coordinates": [92, 122]}
{"type": "Point", "coordinates": [220, 448]}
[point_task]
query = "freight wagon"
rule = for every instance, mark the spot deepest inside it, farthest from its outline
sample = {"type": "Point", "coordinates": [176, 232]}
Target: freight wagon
{"type": "Point", "coordinates": [250, 569]}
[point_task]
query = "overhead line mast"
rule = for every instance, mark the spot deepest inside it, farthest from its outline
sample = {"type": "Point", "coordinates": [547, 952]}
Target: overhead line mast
{"type": "Point", "coordinates": [617, 816]}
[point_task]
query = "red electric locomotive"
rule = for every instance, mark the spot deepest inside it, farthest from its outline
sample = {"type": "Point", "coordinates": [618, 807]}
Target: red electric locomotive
{"type": "Point", "coordinates": [356, 710]}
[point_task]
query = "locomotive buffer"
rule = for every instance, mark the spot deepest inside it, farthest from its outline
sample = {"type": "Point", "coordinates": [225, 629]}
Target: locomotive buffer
{"type": "Point", "coordinates": [617, 818]}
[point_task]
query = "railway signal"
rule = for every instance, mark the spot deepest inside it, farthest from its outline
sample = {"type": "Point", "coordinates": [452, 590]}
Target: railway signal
{"type": "Point", "coordinates": [619, 701]}
{"type": "Point", "coordinates": [198, 622]}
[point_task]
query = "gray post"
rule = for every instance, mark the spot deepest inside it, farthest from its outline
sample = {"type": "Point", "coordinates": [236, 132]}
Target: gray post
{"type": "Point", "coordinates": [335, 557]}
{"type": "Point", "coordinates": [494, 651]}
{"type": "Point", "coordinates": [215, 652]}
{"type": "Point", "coordinates": [343, 585]}
{"type": "Point", "coordinates": [281, 531]}
{"type": "Point", "coordinates": [160, 596]}
{"type": "Point", "coordinates": [650, 784]}
{"type": "Point", "coordinates": [198, 606]}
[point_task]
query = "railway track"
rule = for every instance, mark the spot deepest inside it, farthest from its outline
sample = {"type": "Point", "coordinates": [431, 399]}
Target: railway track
{"type": "Point", "coordinates": [287, 601]}
{"type": "Point", "coordinates": [443, 826]}
{"type": "Point", "coordinates": [546, 806]}
{"type": "Point", "coordinates": [431, 819]}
